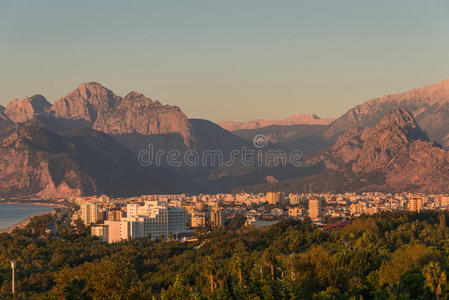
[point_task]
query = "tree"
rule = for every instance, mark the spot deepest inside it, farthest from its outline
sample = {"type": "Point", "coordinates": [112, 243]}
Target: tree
{"type": "Point", "coordinates": [269, 257]}
{"type": "Point", "coordinates": [76, 290]}
{"type": "Point", "coordinates": [411, 284]}
{"type": "Point", "coordinates": [435, 278]}
{"type": "Point", "coordinates": [238, 264]}
{"type": "Point", "coordinates": [211, 271]}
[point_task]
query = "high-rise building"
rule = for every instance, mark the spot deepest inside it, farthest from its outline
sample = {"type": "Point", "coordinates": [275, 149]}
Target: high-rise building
{"type": "Point", "coordinates": [114, 215]}
{"type": "Point", "coordinates": [154, 219]}
{"type": "Point", "coordinates": [100, 230]}
{"type": "Point", "coordinates": [275, 198]}
{"type": "Point", "coordinates": [114, 231]}
{"type": "Point", "coordinates": [131, 209]}
{"type": "Point", "coordinates": [314, 208]}
{"type": "Point", "coordinates": [415, 204]}
{"type": "Point", "coordinates": [90, 213]}
{"type": "Point", "coordinates": [216, 217]}
{"type": "Point", "coordinates": [198, 219]}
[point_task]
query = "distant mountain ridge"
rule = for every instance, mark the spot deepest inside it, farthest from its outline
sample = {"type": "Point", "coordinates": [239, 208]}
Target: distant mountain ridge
{"type": "Point", "coordinates": [429, 105]}
{"type": "Point", "coordinates": [395, 155]}
{"type": "Point", "coordinates": [296, 119]}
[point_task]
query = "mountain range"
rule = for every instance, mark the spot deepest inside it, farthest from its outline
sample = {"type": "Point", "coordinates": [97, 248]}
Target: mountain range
{"type": "Point", "coordinates": [296, 119]}
{"type": "Point", "coordinates": [396, 155]}
{"type": "Point", "coordinates": [87, 141]}
{"type": "Point", "coordinates": [429, 105]}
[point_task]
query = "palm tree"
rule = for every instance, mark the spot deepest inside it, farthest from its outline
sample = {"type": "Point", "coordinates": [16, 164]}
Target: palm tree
{"type": "Point", "coordinates": [238, 263]}
{"type": "Point", "coordinates": [270, 259]}
{"type": "Point", "coordinates": [211, 270]}
{"type": "Point", "coordinates": [435, 278]}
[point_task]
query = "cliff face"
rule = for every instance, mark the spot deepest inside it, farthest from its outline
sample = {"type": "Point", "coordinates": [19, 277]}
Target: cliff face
{"type": "Point", "coordinates": [21, 110]}
{"type": "Point", "coordinates": [136, 120]}
{"type": "Point", "coordinates": [396, 149]}
{"type": "Point", "coordinates": [6, 125]}
{"type": "Point", "coordinates": [36, 162]}
{"type": "Point", "coordinates": [137, 114]}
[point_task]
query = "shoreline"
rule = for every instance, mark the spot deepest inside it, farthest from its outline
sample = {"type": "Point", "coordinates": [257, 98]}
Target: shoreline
{"type": "Point", "coordinates": [22, 223]}
{"type": "Point", "coordinates": [55, 205]}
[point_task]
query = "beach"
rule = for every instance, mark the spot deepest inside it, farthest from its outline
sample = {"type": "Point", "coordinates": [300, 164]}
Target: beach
{"type": "Point", "coordinates": [22, 213]}
{"type": "Point", "coordinates": [23, 223]}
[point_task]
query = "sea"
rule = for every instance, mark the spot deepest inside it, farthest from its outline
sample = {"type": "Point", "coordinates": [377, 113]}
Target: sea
{"type": "Point", "coordinates": [11, 214]}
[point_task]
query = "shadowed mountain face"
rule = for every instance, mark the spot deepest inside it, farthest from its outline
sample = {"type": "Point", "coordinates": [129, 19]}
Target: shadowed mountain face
{"type": "Point", "coordinates": [307, 138]}
{"type": "Point", "coordinates": [6, 125]}
{"type": "Point", "coordinates": [395, 155]}
{"type": "Point", "coordinates": [37, 162]}
{"type": "Point", "coordinates": [211, 136]}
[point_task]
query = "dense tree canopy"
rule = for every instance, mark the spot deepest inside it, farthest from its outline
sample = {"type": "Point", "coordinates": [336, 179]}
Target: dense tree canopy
{"type": "Point", "coordinates": [386, 256]}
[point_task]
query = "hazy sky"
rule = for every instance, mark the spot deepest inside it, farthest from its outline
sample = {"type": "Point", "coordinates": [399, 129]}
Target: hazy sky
{"type": "Point", "coordinates": [221, 60]}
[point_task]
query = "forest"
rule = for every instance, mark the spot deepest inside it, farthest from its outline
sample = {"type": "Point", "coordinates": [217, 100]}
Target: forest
{"type": "Point", "coordinates": [384, 256]}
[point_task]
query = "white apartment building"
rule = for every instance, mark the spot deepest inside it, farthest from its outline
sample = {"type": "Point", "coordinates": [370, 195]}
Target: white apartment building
{"type": "Point", "coordinates": [101, 230]}
{"type": "Point", "coordinates": [154, 218]}
{"type": "Point", "coordinates": [90, 213]}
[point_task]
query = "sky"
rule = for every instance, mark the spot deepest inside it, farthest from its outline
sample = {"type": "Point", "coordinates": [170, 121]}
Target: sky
{"type": "Point", "coordinates": [226, 60]}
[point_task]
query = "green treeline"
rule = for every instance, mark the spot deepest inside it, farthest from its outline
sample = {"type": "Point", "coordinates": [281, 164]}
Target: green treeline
{"type": "Point", "coordinates": [386, 256]}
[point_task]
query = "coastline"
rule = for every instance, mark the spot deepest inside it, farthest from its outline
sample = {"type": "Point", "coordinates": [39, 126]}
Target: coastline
{"type": "Point", "coordinates": [55, 205]}
{"type": "Point", "coordinates": [22, 223]}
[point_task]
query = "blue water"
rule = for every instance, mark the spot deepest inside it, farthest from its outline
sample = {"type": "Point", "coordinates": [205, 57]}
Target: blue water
{"type": "Point", "coordinates": [11, 214]}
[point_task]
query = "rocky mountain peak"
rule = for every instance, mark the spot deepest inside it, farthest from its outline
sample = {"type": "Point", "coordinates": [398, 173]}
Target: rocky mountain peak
{"type": "Point", "coordinates": [429, 105]}
{"type": "Point", "coordinates": [133, 95]}
{"type": "Point", "coordinates": [85, 102]}
{"type": "Point", "coordinates": [92, 89]}
{"type": "Point", "coordinates": [21, 110]}
{"type": "Point", "coordinates": [399, 125]}
{"type": "Point", "coordinates": [375, 148]}
{"type": "Point", "coordinates": [381, 145]}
